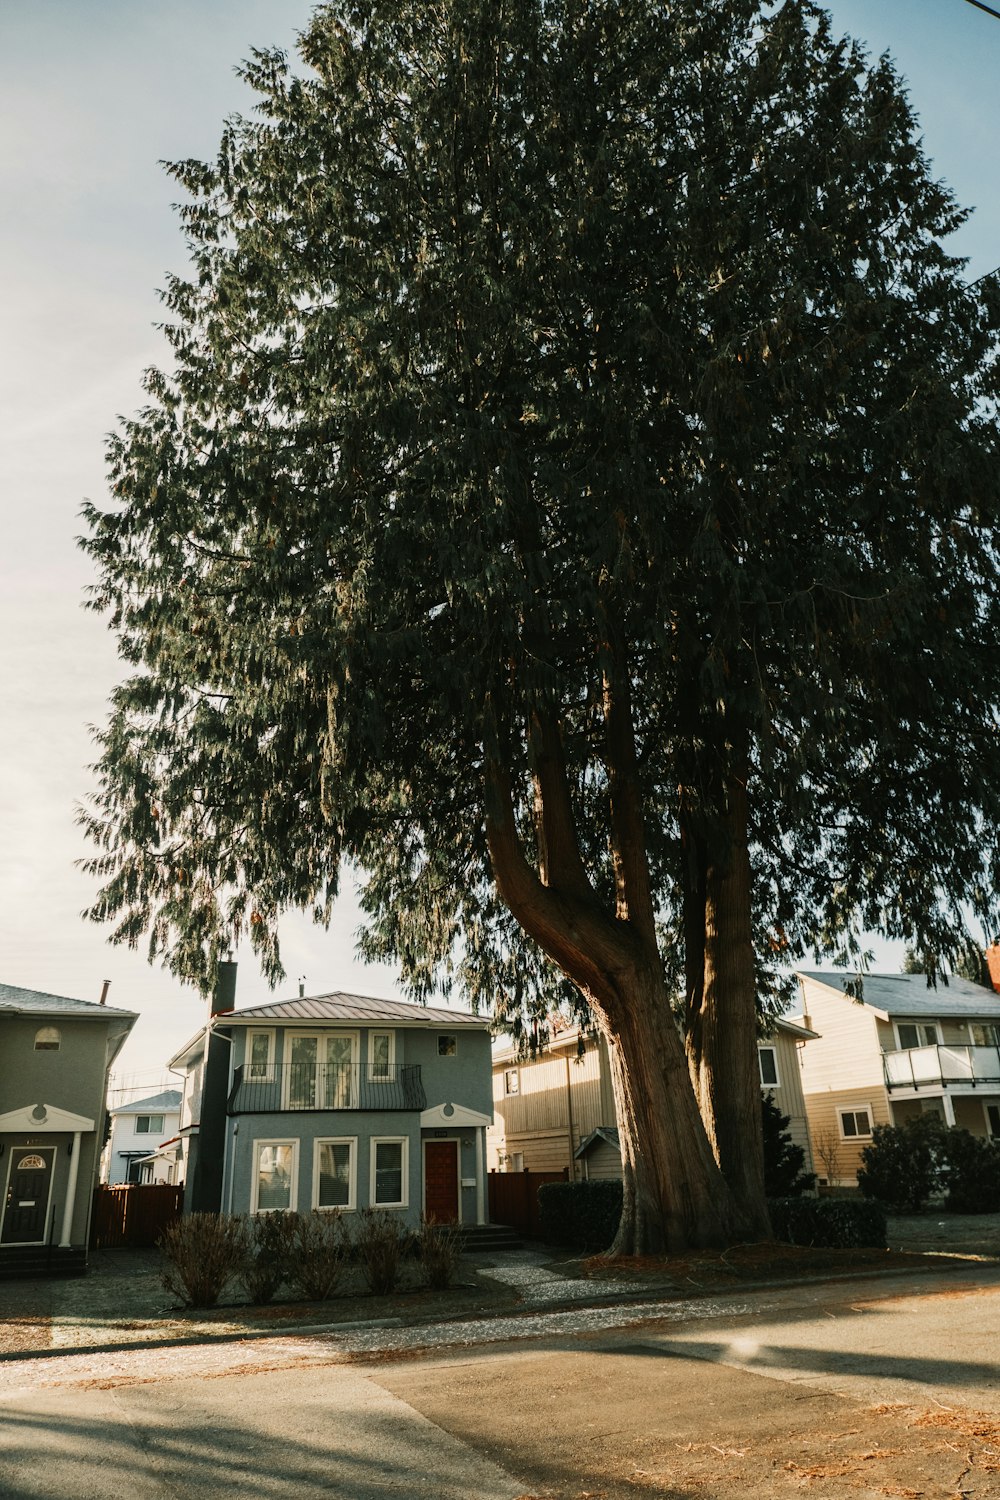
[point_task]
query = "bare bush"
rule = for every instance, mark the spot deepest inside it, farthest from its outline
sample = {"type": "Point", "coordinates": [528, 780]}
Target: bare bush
{"type": "Point", "coordinates": [380, 1244]}
{"type": "Point", "coordinates": [319, 1249]}
{"type": "Point", "coordinates": [203, 1253]}
{"type": "Point", "coordinates": [266, 1261]}
{"type": "Point", "coordinates": [440, 1249]}
{"type": "Point", "coordinates": [826, 1148]}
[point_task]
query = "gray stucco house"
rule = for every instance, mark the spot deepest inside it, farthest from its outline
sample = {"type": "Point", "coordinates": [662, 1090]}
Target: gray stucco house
{"type": "Point", "coordinates": [55, 1054]}
{"type": "Point", "coordinates": [336, 1101]}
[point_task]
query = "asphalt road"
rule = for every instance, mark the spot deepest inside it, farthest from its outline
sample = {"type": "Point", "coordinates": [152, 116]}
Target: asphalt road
{"type": "Point", "coordinates": [884, 1388]}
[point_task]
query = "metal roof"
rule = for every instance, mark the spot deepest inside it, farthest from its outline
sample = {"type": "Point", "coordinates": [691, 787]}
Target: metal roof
{"type": "Point", "coordinates": [37, 1003]}
{"type": "Point", "coordinates": [910, 995]}
{"type": "Point", "coordinates": [163, 1102]}
{"type": "Point", "coordinates": [357, 1008]}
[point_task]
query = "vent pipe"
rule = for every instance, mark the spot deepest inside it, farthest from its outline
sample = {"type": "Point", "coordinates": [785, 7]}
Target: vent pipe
{"type": "Point", "coordinates": [104, 991]}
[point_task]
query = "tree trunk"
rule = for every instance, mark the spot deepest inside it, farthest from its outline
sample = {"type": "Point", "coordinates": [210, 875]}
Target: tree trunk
{"type": "Point", "coordinates": [722, 1035]}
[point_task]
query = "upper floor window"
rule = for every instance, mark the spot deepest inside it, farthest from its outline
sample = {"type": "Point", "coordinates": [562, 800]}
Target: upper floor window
{"type": "Point", "coordinates": [47, 1039]}
{"type": "Point", "coordinates": [381, 1053]}
{"type": "Point", "coordinates": [447, 1046]}
{"type": "Point", "coordinates": [983, 1035]}
{"type": "Point", "coordinates": [767, 1061]}
{"type": "Point", "coordinates": [511, 1081]}
{"type": "Point", "coordinates": [148, 1124]}
{"type": "Point", "coordinates": [916, 1034]}
{"type": "Point", "coordinates": [260, 1055]}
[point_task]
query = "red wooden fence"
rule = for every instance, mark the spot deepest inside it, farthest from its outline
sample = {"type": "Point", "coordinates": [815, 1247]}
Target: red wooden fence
{"type": "Point", "coordinates": [133, 1214]}
{"type": "Point", "coordinates": [514, 1198]}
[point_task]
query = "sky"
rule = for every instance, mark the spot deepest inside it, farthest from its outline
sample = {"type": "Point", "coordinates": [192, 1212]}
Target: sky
{"type": "Point", "coordinates": [94, 95]}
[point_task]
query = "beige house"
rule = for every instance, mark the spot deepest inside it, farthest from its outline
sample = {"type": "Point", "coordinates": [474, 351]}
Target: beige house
{"type": "Point", "coordinates": [556, 1110]}
{"type": "Point", "coordinates": [899, 1050]}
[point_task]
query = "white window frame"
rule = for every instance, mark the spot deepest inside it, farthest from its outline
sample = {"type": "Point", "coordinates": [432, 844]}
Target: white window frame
{"type": "Point", "coordinates": [150, 1129]}
{"type": "Point", "coordinates": [920, 1026]}
{"type": "Point", "coordinates": [390, 1140]}
{"type": "Point", "coordinates": [987, 1106]}
{"type": "Point", "coordinates": [293, 1196]}
{"type": "Point", "coordinates": [374, 1077]}
{"type": "Point", "coordinates": [320, 1038]}
{"type": "Point", "coordinates": [515, 1074]}
{"type": "Point", "coordinates": [249, 1076]}
{"type": "Point", "coordinates": [855, 1110]}
{"type": "Point", "coordinates": [447, 1036]}
{"type": "Point", "coordinates": [986, 1026]}
{"type": "Point", "coordinates": [352, 1201]}
{"type": "Point", "coordinates": [767, 1083]}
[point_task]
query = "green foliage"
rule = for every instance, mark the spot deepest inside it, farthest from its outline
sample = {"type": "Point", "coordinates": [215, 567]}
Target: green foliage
{"type": "Point", "coordinates": [970, 1168]}
{"type": "Point", "coordinates": [900, 1167]}
{"type": "Point", "coordinates": [783, 1160]}
{"type": "Point", "coordinates": [506, 326]}
{"type": "Point", "coordinates": [833, 1223]}
{"type": "Point", "coordinates": [381, 1241]}
{"type": "Point", "coordinates": [203, 1253]}
{"type": "Point", "coordinates": [266, 1254]}
{"type": "Point", "coordinates": [583, 1215]}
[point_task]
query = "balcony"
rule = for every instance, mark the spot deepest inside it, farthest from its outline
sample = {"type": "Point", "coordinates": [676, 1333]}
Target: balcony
{"type": "Point", "coordinates": [298, 1086]}
{"type": "Point", "coordinates": [942, 1067]}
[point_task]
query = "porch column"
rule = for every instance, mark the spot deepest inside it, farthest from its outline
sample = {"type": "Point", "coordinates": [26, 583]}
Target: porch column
{"type": "Point", "coordinates": [74, 1173]}
{"type": "Point", "coordinates": [480, 1176]}
{"type": "Point", "coordinates": [949, 1108]}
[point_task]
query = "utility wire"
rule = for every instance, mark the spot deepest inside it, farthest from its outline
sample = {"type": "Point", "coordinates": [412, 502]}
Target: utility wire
{"type": "Point", "coordinates": [987, 8]}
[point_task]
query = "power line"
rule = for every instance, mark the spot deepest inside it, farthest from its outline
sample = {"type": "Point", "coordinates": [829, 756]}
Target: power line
{"type": "Point", "coordinates": [987, 8]}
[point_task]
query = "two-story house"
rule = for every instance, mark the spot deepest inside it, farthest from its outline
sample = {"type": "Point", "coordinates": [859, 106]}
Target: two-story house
{"type": "Point", "coordinates": [142, 1146]}
{"type": "Point", "coordinates": [556, 1110]}
{"type": "Point", "coordinates": [900, 1049]}
{"type": "Point", "coordinates": [55, 1053]}
{"type": "Point", "coordinates": [336, 1101]}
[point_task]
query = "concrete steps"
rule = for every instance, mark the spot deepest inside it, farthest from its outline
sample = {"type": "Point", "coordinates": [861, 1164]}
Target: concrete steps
{"type": "Point", "coordinates": [40, 1261]}
{"type": "Point", "coordinates": [488, 1239]}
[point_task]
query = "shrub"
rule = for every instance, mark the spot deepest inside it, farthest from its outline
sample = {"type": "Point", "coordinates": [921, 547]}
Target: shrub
{"type": "Point", "coordinates": [267, 1254]}
{"type": "Point", "coordinates": [380, 1244]}
{"type": "Point", "coordinates": [970, 1166]}
{"type": "Point", "coordinates": [203, 1252]}
{"type": "Point", "coordinates": [318, 1252]}
{"type": "Point", "coordinates": [900, 1167]}
{"type": "Point", "coordinates": [830, 1223]}
{"type": "Point", "coordinates": [440, 1249]}
{"type": "Point", "coordinates": [584, 1215]}
{"type": "Point", "coordinates": [783, 1160]}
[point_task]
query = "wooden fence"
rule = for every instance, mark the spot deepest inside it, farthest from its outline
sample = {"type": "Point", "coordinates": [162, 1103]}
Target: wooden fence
{"type": "Point", "coordinates": [514, 1198]}
{"type": "Point", "coordinates": [133, 1214]}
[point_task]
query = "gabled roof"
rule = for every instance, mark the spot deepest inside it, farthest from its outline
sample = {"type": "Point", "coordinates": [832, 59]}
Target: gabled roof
{"type": "Point", "coordinates": [17, 1001]}
{"type": "Point", "coordinates": [909, 994]}
{"type": "Point", "coordinates": [607, 1133]}
{"type": "Point", "coordinates": [359, 1009]}
{"type": "Point", "coordinates": [161, 1103]}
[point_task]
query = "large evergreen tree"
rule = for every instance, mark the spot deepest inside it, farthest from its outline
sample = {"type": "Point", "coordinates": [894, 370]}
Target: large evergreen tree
{"type": "Point", "coordinates": [572, 502]}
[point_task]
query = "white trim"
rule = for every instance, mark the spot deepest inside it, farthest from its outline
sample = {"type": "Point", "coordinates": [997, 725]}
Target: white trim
{"type": "Point", "coordinates": [65, 1239]}
{"type": "Point", "coordinates": [293, 1187]}
{"type": "Point", "coordinates": [436, 1140]}
{"type": "Point", "coordinates": [294, 1034]}
{"type": "Point", "coordinates": [855, 1109]}
{"type": "Point", "coordinates": [451, 1036]}
{"type": "Point", "coordinates": [390, 1140]}
{"type": "Point", "coordinates": [11, 1153]}
{"type": "Point", "coordinates": [768, 1083]}
{"type": "Point", "coordinates": [452, 1117]}
{"type": "Point", "coordinates": [989, 1104]}
{"type": "Point", "coordinates": [919, 1026]}
{"type": "Point", "coordinates": [481, 1176]}
{"type": "Point", "coordinates": [249, 1075]}
{"type": "Point", "coordinates": [386, 1077]}
{"type": "Point", "coordinates": [351, 1142]}
{"type": "Point", "coordinates": [53, 1119]}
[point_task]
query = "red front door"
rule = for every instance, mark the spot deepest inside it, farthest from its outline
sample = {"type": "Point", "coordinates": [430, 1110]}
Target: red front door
{"type": "Point", "coordinates": [441, 1181]}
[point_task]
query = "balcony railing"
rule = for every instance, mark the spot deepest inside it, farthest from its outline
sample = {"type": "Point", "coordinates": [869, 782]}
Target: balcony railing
{"type": "Point", "coordinates": [942, 1067]}
{"type": "Point", "coordinates": [295, 1086]}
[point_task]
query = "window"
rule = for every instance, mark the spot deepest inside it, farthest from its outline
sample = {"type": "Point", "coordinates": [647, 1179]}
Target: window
{"type": "Point", "coordinates": [855, 1123]}
{"type": "Point", "coordinates": [260, 1055]}
{"type": "Point", "coordinates": [982, 1035]}
{"type": "Point", "coordinates": [334, 1176]}
{"type": "Point", "coordinates": [912, 1034]}
{"type": "Point", "coordinates": [47, 1039]}
{"type": "Point", "coordinates": [447, 1046]}
{"type": "Point", "coordinates": [321, 1070]}
{"type": "Point", "coordinates": [148, 1124]}
{"type": "Point", "coordinates": [767, 1060]}
{"type": "Point", "coordinates": [389, 1172]}
{"type": "Point", "coordinates": [381, 1053]}
{"type": "Point", "coordinates": [274, 1172]}
{"type": "Point", "coordinates": [993, 1120]}
{"type": "Point", "coordinates": [511, 1081]}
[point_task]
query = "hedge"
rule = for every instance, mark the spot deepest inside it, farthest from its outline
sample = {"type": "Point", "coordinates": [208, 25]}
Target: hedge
{"type": "Point", "coordinates": [584, 1215]}
{"type": "Point", "coordinates": [829, 1223]}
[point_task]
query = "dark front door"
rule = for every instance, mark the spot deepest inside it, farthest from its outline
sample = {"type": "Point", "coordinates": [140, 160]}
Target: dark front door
{"type": "Point", "coordinates": [441, 1181]}
{"type": "Point", "coordinates": [29, 1187]}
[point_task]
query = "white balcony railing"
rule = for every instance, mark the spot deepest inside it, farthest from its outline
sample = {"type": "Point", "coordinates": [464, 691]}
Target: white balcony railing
{"type": "Point", "coordinates": [941, 1067]}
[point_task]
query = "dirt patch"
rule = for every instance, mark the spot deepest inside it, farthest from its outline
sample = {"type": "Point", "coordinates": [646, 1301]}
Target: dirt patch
{"type": "Point", "coordinates": [714, 1269]}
